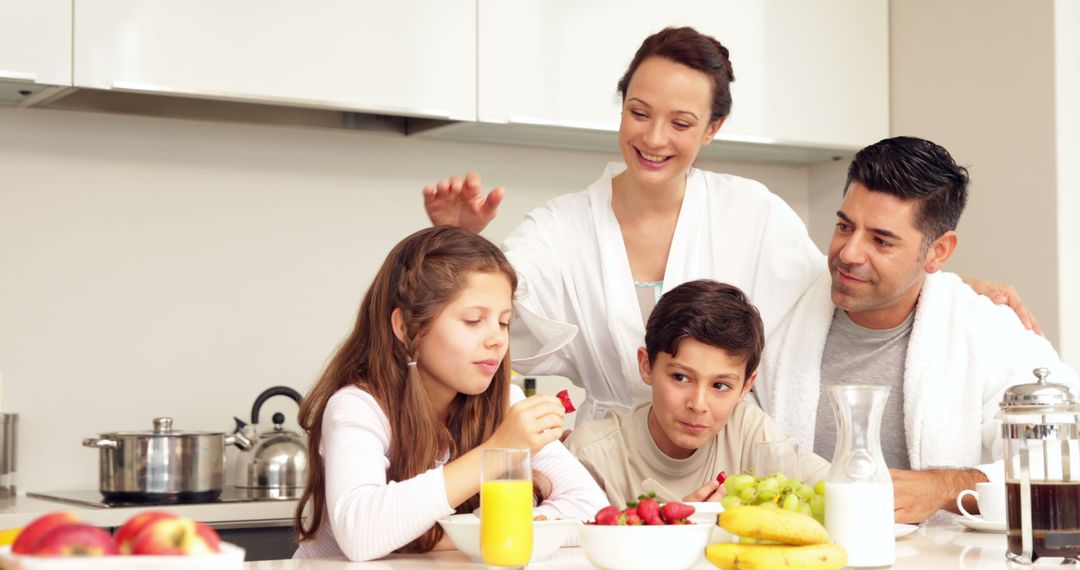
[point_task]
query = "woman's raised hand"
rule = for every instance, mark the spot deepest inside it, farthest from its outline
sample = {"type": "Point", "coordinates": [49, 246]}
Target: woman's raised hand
{"type": "Point", "coordinates": [531, 423]}
{"type": "Point", "coordinates": [460, 202]}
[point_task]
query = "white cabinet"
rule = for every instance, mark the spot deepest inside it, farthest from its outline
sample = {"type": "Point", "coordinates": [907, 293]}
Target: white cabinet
{"type": "Point", "coordinates": [406, 57]}
{"type": "Point", "coordinates": [807, 73]}
{"type": "Point", "coordinates": [35, 41]}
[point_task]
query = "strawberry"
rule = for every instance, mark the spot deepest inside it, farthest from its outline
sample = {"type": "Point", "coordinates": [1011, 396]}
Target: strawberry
{"type": "Point", "coordinates": [608, 516]}
{"type": "Point", "coordinates": [675, 512]}
{"type": "Point", "coordinates": [654, 521]}
{"type": "Point", "coordinates": [633, 519]}
{"type": "Point", "coordinates": [567, 404]}
{"type": "Point", "coordinates": [721, 477]}
{"type": "Point", "coordinates": [647, 509]}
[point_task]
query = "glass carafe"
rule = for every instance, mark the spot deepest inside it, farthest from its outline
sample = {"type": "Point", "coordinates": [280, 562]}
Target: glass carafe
{"type": "Point", "coordinates": [1041, 429]}
{"type": "Point", "coordinates": [858, 489]}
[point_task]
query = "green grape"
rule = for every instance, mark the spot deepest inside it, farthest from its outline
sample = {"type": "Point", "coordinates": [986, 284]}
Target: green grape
{"type": "Point", "coordinates": [806, 491]}
{"type": "Point", "coordinates": [747, 495]}
{"type": "Point", "coordinates": [730, 502]}
{"type": "Point", "coordinates": [817, 505]}
{"type": "Point", "coordinates": [736, 484]}
{"type": "Point", "coordinates": [780, 478]}
{"type": "Point", "coordinates": [790, 502]}
{"type": "Point", "coordinates": [820, 488]}
{"type": "Point", "coordinates": [768, 488]}
{"type": "Point", "coordinates": [805, 509]}
{"type": "Point", "coordinates": [770, 505]}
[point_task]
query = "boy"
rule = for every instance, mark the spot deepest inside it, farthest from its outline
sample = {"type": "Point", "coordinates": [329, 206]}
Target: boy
{"type": "Point", "coordinates": [703, 343]}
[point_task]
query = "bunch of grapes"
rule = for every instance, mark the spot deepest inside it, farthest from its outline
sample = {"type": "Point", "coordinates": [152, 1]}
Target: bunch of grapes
{"type": "Point", "coordinates": [775, 491]}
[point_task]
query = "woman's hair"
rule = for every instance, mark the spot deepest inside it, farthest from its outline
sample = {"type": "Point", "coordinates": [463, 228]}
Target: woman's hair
{"type": "Point", "coordinates": [422, 274]}
{"type": "Point", "coordinates": [687, 46]}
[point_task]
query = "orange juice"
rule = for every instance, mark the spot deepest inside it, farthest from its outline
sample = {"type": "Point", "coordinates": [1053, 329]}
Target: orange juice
{"type": "Point", "coordinates": [506, 537]}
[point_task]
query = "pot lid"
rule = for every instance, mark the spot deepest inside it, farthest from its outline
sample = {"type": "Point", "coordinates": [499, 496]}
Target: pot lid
{"type": "Point", "coordinates": [1040, 397]}
{"type": "Point", "coordinates": [163, 426]}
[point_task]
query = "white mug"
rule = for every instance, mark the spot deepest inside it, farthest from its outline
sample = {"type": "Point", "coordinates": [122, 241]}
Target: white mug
{"type": "Point", "coordinates": [990, 497]}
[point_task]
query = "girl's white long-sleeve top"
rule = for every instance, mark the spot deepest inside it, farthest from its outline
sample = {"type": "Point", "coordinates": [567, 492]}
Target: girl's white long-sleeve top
{"type": "Point", "coordinates": [368, 517]}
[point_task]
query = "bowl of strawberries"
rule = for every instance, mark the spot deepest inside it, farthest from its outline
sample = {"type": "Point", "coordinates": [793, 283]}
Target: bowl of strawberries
{"type": "Point", "coordinates": [646, 535]}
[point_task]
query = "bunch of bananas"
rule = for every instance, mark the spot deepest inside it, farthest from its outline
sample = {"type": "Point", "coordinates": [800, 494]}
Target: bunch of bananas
{"type": "Point", "coordinates": [791, 540]}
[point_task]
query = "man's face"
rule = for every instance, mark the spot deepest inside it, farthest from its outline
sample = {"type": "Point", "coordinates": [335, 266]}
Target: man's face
{"type": "Point", "coordinates": [876, 257]}
{"type": "Point", "coordinates": [693, 394]}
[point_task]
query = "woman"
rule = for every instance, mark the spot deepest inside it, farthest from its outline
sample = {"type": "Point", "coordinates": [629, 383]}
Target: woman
{"type": "Point", "coordinates": [595, 262]}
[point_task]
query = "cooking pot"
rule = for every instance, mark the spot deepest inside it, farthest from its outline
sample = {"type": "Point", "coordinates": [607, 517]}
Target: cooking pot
{"type": "Point", "coordinates": [162, 465]}
{"type": "Point", "coordinates": [273, 463]}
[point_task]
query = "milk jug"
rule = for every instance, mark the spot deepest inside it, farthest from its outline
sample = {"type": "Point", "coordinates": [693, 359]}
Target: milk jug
{"type": "Point", "coordinates": [858, 488]}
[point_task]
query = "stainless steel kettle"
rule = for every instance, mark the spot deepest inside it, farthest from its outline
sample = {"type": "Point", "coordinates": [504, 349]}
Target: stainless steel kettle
{"type": "Point", "coordinates": [273, 463]}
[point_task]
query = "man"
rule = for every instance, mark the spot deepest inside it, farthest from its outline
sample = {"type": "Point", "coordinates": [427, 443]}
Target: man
{"type": "Point", "coordinates": [885, 314]}
{"type": "Point", "coordinates": [703, 342]}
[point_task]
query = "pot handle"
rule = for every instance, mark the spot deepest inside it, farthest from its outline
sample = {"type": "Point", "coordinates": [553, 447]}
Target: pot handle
{"type": "Point", "coordinates": [275, 391]}
{"type": "Point", "coordinates": [100, 443]}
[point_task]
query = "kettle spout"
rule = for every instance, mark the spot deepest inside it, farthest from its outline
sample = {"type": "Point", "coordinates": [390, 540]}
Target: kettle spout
{"type": "Point", "coordinates": [238, 437]}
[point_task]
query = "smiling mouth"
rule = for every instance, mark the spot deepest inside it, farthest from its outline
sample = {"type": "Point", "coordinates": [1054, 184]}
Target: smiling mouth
{"type": "Point", "coordinates": [489, 365]}
{"type": "Point", "coordinates": [847, 278]}
{"type": "Point", "coordinates": [652, 158]}
{"type": "Point", "coordinates": [692, 426]}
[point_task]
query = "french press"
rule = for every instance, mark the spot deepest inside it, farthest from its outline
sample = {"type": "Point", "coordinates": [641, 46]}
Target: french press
{"type": "Point", "coordinates": [1041, 429]}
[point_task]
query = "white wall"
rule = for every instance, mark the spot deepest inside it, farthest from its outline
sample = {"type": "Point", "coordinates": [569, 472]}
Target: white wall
{"type": "Point", "coordinates": [1067, 73]}
{"type": "Point", "coordinates": [156, 267]}
{"type": "Point", "coordinates": [977, 76]}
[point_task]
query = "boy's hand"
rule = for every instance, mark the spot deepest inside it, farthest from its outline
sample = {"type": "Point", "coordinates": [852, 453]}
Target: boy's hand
{"type": "Point", "coordinates": [711, 491]}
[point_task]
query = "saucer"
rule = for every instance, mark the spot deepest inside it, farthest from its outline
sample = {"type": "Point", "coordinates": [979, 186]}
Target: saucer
{"type": "Point", "coordinates": [900, 530]}
{"type": "Point", "coordinates": [982, 525]}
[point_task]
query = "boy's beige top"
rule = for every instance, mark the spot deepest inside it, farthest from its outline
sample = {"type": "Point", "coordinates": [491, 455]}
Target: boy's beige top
{"type": "Point", "coordinates": [620, 453]}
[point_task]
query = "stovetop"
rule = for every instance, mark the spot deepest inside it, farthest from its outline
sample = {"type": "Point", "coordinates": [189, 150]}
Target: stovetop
{"type": "Point", "coordinates": [95, 498]}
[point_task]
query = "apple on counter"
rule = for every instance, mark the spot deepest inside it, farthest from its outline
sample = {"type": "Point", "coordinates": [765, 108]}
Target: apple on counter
{"type": "Point", "coordinates": [75, 539]}
{"type": "Point", "coordinates": [176, 536]}
{"type": "Point", "coordinates": [147, 533]}
{"type": "Point", "coordinates": [125, 535]}
{"type": "Point", "coordinates": [39, 527]}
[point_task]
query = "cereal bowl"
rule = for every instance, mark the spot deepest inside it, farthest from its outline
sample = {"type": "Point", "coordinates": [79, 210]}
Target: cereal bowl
{"type": "Point", "coordinates": [644, 547]}
{"type": "Point", "coordinates": [548, 535]}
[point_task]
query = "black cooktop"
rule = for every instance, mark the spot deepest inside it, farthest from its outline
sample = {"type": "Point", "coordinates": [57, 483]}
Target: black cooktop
{"type": "Point", "coordinates": [96, 499]}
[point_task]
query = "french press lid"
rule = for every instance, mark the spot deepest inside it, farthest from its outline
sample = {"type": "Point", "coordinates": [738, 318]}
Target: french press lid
{"type": "Point", "coordinates": [1039, 397]}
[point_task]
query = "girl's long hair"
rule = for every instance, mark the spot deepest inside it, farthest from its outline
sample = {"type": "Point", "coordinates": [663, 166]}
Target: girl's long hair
{"type": "Point", "coordinates": [420, 276]}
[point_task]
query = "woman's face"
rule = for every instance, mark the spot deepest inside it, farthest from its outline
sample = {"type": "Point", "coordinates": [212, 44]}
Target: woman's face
{"type": "Point", "coordinates": [665, 121]}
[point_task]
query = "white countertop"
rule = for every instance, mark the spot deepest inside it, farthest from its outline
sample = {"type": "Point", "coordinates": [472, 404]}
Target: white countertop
{"type": "Point", "coordinates": [18, 511]}
{"type": "Point", "coordinates": [939, 543]}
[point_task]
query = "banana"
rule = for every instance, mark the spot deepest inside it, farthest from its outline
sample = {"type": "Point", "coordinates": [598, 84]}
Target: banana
{"type": "Point", "coordinates": [777, 525]}
{"type": "Point", "coordinates": [735, 556]}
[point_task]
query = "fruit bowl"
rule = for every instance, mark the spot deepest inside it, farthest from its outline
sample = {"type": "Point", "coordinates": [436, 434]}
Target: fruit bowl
{"type": "Point", "coordinates": [666, 547]}
{"type": "Point", "coordinates": [231, 557]}
{"type": "Point", "coordinates": [548, 536]}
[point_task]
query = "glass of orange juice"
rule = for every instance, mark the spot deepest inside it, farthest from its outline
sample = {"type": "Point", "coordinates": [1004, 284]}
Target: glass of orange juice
{"type": "Point", "coordinates": [506, 501]}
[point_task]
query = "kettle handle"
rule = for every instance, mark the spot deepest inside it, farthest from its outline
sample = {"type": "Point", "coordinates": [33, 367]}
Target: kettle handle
{"type": "Point", "coordinates": [275, 391]}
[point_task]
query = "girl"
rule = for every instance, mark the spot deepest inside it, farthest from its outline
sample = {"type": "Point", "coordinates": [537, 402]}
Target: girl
{"type": "Point", "coordinates": [420, 386]}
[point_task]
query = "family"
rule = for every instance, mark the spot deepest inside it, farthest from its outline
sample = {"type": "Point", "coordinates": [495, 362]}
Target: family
{"type": "Point", "coordinates": [694, 310]}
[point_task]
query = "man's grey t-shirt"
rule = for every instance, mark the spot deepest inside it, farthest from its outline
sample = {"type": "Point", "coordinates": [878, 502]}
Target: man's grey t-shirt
{"type": "Point", "coordinates": [858, 355]}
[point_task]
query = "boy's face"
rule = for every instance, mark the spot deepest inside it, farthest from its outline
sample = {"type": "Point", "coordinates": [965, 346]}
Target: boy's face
{"type": "Point", "coordinates": [692, 394]}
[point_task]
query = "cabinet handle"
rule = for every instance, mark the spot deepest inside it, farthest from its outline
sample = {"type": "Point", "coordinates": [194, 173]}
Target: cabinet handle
{"type": "Point", "coordinates": [287, 101]}
{"type": "Point", "coordinates": [18, 75]}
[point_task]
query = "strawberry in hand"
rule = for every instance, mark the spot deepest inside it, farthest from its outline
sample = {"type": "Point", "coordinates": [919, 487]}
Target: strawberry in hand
{"type": "Point", "coordinates": [568, 405]}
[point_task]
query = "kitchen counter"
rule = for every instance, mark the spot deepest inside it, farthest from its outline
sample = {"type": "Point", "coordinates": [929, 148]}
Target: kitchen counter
{"type": "Point", "coordinates": [20, 510]}
{"type": "Point", "coordinates": [939, 543]}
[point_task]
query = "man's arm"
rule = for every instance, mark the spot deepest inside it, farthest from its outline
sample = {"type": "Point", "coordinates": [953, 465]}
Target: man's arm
{"type": "Point", "coordinates": [917, 495]}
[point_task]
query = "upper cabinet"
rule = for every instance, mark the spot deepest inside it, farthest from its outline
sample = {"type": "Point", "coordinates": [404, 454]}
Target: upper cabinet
{"type": "Point", "coordinates": [807, 73]}
{"type": "Point", "coordinates": [408, 57]}
{"type": "Point", "coordinates": [35, 41]}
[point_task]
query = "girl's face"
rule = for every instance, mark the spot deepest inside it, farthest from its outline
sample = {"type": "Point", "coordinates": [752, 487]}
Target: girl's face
{"type": "Point", "coordinates": [465, 344]}
{"type": "Point", "coordinates": [665, 121]}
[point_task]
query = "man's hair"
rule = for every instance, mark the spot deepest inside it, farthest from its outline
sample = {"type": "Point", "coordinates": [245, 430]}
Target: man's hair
{"type": "Point", "coordinates": [710, 312]}
{"type": "Point", "coordinates": [915, 169]}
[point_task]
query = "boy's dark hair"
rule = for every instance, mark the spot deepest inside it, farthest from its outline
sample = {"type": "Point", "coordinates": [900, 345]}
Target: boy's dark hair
{"type": "Point", "coordinates": [911, 168]}
{"type": "Point", "coordinates": [710, 312]}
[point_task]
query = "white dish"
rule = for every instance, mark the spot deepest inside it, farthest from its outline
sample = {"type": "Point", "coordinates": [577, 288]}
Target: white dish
{"type": "Point", "coordinates": [667, 547]}
{"type": "Point", "coordinates": [982, 525]}
{"type": "Point", "coordinates": [900, 530]}
{"type": "Point", "coordinates": [231, 557]}
{"type": "Point", "coordinates": [548, 536]}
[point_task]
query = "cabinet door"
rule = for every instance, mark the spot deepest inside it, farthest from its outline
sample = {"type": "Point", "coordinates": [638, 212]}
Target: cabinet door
{"type": "Point", "coordinates": [406, 57]}
{"type": "Point", "coordinates": [806, 72]}
{"type": "Point", "coordinates": [35, 41]}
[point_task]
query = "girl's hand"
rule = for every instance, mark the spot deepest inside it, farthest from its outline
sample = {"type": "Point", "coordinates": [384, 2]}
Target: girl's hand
{"type": "Point", "coordinates": [460, 202]}
{"type": "Point", "coordinates": [1005, 294]}
{"type": "Point", "coordinates": [531, 423]}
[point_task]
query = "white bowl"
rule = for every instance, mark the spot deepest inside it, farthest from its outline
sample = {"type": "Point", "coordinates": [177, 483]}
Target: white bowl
{"type": "Point", "coordinates": [705, 513]}
{"type": "Point", "coordinates": [548, 536]}
{"type": "Point", "coordinates": [667, 547]}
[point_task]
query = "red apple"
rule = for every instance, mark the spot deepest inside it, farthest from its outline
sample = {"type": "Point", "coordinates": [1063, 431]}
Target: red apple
{"type": "Point", "coordinates": [126, 534]}
{"type": "Point", "coordinates": [176, 536]}
{"type": "Point", "coordinates": [75, 539]}
{"type": "Point", "coordinates": [33, 532]}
